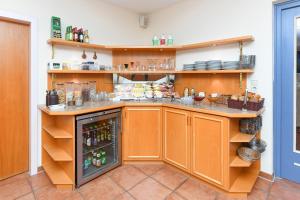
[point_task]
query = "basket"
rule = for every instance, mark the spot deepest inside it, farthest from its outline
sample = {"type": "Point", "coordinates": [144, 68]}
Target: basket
{"type": "Point", "coordinates": [251, 126]}
{"type": "Point", "coordinates": [248, 154]}
{"type": "Point", "coordinates": [254, 106]}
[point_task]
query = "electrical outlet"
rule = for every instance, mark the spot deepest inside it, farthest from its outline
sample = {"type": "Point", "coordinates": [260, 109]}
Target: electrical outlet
{"type": "Point", "coordinates": [253, 85]}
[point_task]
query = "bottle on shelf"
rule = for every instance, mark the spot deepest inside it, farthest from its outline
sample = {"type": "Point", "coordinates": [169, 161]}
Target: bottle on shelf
{"type": "Point", "coordinates": [103, 157]}
{"type": "Point", "coordinates": [155, 41]}
{"type": "Point", "coordinates": [170, 40]}
{"type": "Point", "coordinates": [163, 40]}
{"type": "Point", "coordinates": [88, 139]}
{"type": "Point", "coordinates": [94, 158]}
{"type": "Point", "coordinates": [98, 160]}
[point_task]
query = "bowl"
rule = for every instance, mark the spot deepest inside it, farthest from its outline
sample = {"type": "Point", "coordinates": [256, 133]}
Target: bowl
{"type": "Point", "coordinates": [248, 154]}
{"type": "Point", "coordinates": [213, 99]}
{"type": "Point", "coordinates": [258, 144]}
{"type": "Point", "coordinates": [197, 98]}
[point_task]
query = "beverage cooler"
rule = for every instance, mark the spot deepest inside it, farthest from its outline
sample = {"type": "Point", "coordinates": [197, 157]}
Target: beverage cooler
{"type": "Point", "coordinates": [98, 139]}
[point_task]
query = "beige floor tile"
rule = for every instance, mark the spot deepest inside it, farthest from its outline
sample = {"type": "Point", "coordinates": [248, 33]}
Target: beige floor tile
{"type": "Point", "coordinates": [14, 178]}
{"type": "Point", "coordinates": [14, 189]}
{"type": "Point", "coordinates": [39, 180]}
{"type": "Point", "coordinates": [149, 189]}
{"type": "Point", "coordinates": [127, 176]}
{"type": "Point", "coordinates": [52, 193]}
{"type": "Point", "coordinates": [195, 190]}
{"type": "Point", "coordinates": [29, 196]}
{"type": "Point", "coordinates": [149, 169]}
{"type": "Point", "coordinates": [170, 177]}
{"type": "Point", "coordinates": [174, 196]}
{"type": "Point", "coordinates": [263, 184]}
{"type": "Point", "coordinates": [124, 196]}
{"type": "Point", "coordinates": [100, 189]}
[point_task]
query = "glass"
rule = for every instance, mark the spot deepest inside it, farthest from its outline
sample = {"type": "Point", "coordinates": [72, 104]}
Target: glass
{"type": "Point", "coordinates": [99, 146]}
{"type": "Point", "coordinates": [69, 94]}
{"type": "Point", "coordinates": [297, 130]}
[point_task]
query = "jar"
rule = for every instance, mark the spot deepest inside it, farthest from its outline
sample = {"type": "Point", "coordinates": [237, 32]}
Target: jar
{"type": "Point", "coordinates": [85, 92]}
{"type": "Point", "coordinates": [60, 88]}
{"type": "Point", "coordinates": [93, 91]}
{"type": "Point", "coordinates": [77, 94]}
{"type": "Point", "coordinates": [69, 93]}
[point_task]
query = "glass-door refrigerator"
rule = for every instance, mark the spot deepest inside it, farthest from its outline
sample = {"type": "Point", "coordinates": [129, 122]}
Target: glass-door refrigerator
{"type": "Point", "coordinates": [98, 144]}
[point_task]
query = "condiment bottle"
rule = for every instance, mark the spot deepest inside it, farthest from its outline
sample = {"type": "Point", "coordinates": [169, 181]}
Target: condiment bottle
{"type": "Point", "coordinates": [80, 35]}
{"type": "Point", "coordinates": [162, 39]}
{"type": "Point", "coordinates": [75, 34]}
{"type": "Point", "coordinates": [186, 92]}
{"type": "Point", "coordinates": [155, 41]}
{"type": "Point", "coordinates": [170, 40]}
{"type": "Point", "coordinates": [86, 38]}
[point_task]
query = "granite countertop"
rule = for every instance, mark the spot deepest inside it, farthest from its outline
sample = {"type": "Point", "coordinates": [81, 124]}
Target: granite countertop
{"type": "Point", "coordinates": [220, 110]}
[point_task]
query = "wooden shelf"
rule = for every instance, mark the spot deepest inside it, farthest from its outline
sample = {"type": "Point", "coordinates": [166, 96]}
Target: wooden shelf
{"type": "Point", "coordinates": [56, 153]}
{"type": "Point", "coordinates": [57, 133]}
{"type": "Point", "coordinates": [245, 71]}
{"type": "Point", "coordinates": [212, 43]}
{"type": "Point", "coordinates": [242, 137]}
{"type": "Point", "coordinates": [61, 42]}
{"type": "Point", "coordinates": [245, 181]}
{"type": "Point", "coordinates": [238, 162]}
{"type": "Point", "coordinates": [57, 175]}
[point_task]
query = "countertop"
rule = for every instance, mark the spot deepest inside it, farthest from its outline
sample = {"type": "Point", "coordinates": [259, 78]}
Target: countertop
{"type": "Point", "coordinates": [206, 108]}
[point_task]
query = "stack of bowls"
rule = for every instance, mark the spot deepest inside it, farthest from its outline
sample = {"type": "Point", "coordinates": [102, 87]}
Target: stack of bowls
{"type": "Point", "coordinates": [200, 65]}
{"type": "Point", "coordinates": [214, 65]}
{"type": "Point", "coordinates": [188, 67]}
{"type": "Point", "coordinates": [231, 65]}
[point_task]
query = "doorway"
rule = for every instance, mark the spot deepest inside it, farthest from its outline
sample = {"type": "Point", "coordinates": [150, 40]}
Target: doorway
{"type": "Point", "coordinates": [287, 91]}
{"type": "Point", "coordinates": [14, 101]}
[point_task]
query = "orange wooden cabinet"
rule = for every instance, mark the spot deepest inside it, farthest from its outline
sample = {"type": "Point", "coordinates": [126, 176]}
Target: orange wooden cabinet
{"type": "Point", "coordinates": [176, 138]}
{"type": "Point", "coordinates": [209, 148]}
{"type": "Point", "coordinates": [142, 133]}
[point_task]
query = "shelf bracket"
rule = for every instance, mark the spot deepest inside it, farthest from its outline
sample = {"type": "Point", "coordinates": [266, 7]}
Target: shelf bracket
{"type": "Point", "coordinates": [52, 51]}
{"type": "Point", "coordinates": [241, 44]}
{"type": "Point", "coordinates": [241, 80]}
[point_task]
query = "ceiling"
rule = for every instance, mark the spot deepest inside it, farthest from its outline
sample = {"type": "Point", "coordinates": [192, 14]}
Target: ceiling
{"type": "Point", "coordinates": [143, 6]}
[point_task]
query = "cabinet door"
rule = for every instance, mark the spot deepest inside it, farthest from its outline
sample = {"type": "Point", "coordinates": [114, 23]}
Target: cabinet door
{"type": "Point", "coordinates": [209, 143]}
{"type": "Point", "coordinates": [143, 133]}
{"type": "Point", "coordinates": [176, 138]}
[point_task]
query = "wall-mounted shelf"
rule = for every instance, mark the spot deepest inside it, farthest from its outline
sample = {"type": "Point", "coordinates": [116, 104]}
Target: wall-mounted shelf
{"type": "Point", "coordinates": [212, 43]}
{"type": "Point", "coordinates": [244, 71]}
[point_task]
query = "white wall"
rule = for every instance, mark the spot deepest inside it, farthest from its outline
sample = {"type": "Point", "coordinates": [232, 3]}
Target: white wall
{"type": "Point", "coordinates": [200, 20]}
{"type": "Point", "coordinates": [107, 24]}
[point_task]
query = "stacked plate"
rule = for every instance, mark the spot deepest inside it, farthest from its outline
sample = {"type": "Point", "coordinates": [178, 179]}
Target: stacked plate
{"type": "Point", "coordinates": [231, 65]}
{"type": "Point", "coordinates": [214, 65]}
{"type": "Point", "coordinates": [200, 65]}
{"type": "Point", "coordinates": [188, 67]}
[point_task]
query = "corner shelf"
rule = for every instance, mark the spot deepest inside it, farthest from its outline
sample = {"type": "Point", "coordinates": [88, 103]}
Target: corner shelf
{"type": "Point", "coordinates": [238, 162]}
{"type": "Point", "coordinates": [245, 181]}
{"type": "Point", "coordinates": [242, 137]}
{"type": "Point", "coordinates": [57, 175]}
{"type": "Point", "coordinates": [56, 153]}
{"type": "Point", "coordinates": [57, 133]}
{"type": "Point", "coordinates": [212, 43]}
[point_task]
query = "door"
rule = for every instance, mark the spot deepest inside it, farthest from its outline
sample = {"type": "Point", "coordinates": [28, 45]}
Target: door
{"type": "Point", "coordinates": [176, 138]}
{"type": "Point", "coordinates": [143, 133]}
{"type": "Point", "coordinates": [287, 91]}
{"type": "Point", "coordinates": [209, 148]}
{"type": "Point", "coordinates": [14, 101]}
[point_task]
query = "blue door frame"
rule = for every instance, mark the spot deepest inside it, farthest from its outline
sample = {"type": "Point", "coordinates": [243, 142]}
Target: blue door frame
{"type": "Point", "coordinates": [277, 83]}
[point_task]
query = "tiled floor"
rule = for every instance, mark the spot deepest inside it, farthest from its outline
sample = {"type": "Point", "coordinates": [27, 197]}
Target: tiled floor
{"type": "Point", "coordinates": [141, 182]}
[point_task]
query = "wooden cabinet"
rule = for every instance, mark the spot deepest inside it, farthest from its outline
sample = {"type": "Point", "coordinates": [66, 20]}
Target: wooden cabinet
{"type": "Point", "coordinates": [176, 138]}
{"type": "Point", "coordinates": [209, 148]}
{"type": "Point", "coordinates": [142, 134]}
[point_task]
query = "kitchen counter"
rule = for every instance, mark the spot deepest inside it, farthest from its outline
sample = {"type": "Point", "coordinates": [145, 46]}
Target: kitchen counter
{"type": "Point", "coordinates": [219, 110]}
